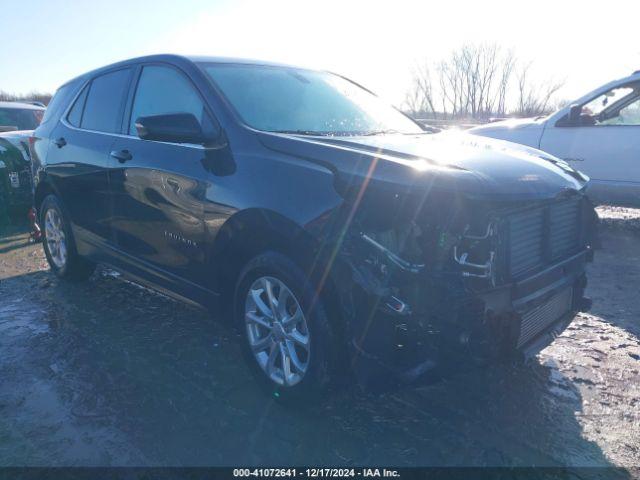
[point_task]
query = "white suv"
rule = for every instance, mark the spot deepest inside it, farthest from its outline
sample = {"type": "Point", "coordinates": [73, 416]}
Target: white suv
{"type": "Point", "coordinates": [598, 134]}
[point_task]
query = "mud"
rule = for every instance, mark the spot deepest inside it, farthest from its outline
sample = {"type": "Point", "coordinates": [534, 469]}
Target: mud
{"type": "Point", "coordinates": [109, 373]}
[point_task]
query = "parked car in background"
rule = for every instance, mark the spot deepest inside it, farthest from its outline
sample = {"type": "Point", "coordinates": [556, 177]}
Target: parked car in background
{"type": "Point", "coordinates": [20, 115]}
{"type": "Point", "coordinates": [16, 186]}
{"type": "Point", "coordinates": [599, 134]}
{"type": "Point", "coordinates": [17, 122]}
{"type": "Point", "coordinates": [339, 233]}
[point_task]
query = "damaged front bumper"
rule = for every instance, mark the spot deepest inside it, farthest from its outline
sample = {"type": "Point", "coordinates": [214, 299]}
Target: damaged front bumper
{"type": "Point", "coordinates": [473, 282]}
{"type": "Point", "coordinates": [512, 321]}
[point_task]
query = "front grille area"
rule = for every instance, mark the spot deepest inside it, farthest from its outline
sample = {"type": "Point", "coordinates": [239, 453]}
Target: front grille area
{"type": "Point", "coordinates": [564, 231]}
{"type": "Point", "coordinates": [538, 319]}
{"type": "Point", "coordinates": [526, 231]}
{"type": "Point", "coordinates": [540, 236]}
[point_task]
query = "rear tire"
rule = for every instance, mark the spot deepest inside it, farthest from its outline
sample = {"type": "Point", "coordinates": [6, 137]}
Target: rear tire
{"type": "Point", "coordinates": [59, 244]}
{"type": "Point", "coordinates": [286, 339]}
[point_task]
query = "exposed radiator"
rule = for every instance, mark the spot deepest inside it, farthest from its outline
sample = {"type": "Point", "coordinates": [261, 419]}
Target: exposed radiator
{"type": "Point", "coordinates": [540, 236]}
{"type": "Point", "coordinates": [564, 230]}
{"type": "Point", "coordinates": [538, 319]}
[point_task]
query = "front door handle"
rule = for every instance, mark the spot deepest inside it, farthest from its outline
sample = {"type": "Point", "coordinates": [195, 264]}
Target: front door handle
{"type": "Point", "coordinates": [174, 184]}
{"type": "Point", "coordinates": [60, 142]}
{"type": "Point", "coordinates": [121, 155]}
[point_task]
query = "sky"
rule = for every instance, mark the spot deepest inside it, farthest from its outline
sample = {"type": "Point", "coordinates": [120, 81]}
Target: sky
{"type": "Point", "coordinates": [584, 43]}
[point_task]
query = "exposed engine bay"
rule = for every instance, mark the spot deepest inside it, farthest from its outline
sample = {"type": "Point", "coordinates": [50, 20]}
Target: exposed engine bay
{"type": "Point", "coordinates": [459, 277]}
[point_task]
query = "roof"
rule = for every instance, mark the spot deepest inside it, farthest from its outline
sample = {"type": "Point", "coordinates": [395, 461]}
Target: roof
{"type": "Point", "coordinates": [20, 105]}
{"type": "Point", "coordinates": [246, 61]}
{"type": "Point", "coordinates": [175, 58]}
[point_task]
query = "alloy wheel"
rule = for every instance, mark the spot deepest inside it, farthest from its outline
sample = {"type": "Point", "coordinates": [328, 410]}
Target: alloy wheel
{"type": "Point", "coordinates": [277, 331]}
{"type": "Point", "coordinates": [55, 238]}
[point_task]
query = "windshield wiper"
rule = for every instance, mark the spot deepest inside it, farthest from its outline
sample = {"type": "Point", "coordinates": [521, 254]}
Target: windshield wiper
{"type": "Point", "coordinates": [391, 131]}
{"type": "Point", "coordinates": [378, 132]}
{"type": "Point", "coordinates": [342, 134]}
{"type": "Point", "coordinates": [303, 132]}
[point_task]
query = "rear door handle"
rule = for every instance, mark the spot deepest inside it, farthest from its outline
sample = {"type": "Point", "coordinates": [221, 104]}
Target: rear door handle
{"type": "Point", "coordinates": [60, 142]}
{"type": "Point", "coordinates": [121, 155]}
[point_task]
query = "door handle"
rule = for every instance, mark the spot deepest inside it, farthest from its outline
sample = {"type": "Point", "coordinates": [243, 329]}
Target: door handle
{"type": "Point", "coordinates": [174, 184]}
{"type": "Point", "coordinates": [121, 155]}
{"type": "Point", "coordinates": [60, 142]}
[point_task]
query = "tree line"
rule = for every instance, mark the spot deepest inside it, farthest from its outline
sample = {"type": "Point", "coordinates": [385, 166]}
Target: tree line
{"type": "Point", "coordinates": [479, 82]}
{"type": "Point", "coordinates": [29, 97]}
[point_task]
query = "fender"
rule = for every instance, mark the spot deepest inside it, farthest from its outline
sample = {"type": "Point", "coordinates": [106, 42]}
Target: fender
{"type": "Point", "coordinates": [248, 232]}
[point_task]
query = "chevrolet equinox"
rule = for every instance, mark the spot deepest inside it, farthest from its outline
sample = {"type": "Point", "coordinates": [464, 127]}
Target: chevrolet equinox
{"type": "Point", "coordinates": [339, 234]}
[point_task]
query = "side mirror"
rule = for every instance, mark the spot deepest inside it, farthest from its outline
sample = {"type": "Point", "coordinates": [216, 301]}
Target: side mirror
{"type": "Point", "coordinates": [574, 114]}
{"type": "Point", "coordinates": [572, 119]}
{"type": "Point", "coordinates": [172, 127]}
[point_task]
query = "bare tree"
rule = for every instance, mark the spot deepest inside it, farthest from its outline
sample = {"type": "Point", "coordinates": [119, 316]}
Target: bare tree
{"type": "Point", "coordinates": [535, 98]}
{"type": "Point", "coordinates": [419, 98]}
{"type": "Point", "coordinates": [508, 64]}
{"type": "Point", "coordinates": [476, 81]}
{"type": "Point", "coordinates": [451, 88]}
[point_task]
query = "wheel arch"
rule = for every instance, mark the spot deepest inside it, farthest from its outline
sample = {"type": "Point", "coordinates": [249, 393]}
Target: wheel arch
{"type": "Point", "coordinates": [43, 188]}
{"type": "Point", "coordinates": [251, 232]}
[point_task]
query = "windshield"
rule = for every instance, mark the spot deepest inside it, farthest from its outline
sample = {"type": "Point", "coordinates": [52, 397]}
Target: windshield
{"type": "Point", "coordinates": [19, 118]}
{"type": "Point", "coordinates": [291, 100]}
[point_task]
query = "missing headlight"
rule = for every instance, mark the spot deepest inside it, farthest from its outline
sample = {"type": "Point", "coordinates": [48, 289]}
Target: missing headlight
{"type": "Point", "coordinates": [391, 257]}
{"type": "Point", "coordinates": [476, 253]}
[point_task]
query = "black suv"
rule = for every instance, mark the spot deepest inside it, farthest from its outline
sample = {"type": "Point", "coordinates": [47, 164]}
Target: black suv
{"type": "Point", "coordinates": [340, 233]}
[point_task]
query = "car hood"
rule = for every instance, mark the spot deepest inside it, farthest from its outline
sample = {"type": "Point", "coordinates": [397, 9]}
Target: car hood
{"type": "Point", "coordinates": [476, 167]}
{"type": "Point", "coordinates": [511, 124]}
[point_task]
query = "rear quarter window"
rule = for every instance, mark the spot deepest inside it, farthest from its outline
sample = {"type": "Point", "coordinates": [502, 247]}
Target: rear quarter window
{"type": "Point", "coordinates": [57, 103]}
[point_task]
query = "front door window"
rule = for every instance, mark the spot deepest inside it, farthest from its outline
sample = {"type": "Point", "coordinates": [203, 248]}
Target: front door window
{"type": "Point", "coordinates": [618, 106]}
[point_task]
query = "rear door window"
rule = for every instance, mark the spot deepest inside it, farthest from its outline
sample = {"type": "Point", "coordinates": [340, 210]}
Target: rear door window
{"type": "Point", "coordinates": [105, 100]}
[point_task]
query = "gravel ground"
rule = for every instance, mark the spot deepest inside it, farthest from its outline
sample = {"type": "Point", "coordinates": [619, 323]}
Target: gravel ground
{"type": "Point", "coordinates": [109, 373]}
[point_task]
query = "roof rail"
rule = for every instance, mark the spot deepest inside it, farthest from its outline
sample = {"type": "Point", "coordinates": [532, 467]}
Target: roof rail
{"type": "Point", "coordinates": [40, 104]}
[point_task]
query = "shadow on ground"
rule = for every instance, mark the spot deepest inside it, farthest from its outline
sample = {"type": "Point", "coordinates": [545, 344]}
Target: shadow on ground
{"type": "Point", "coordinates": [615, 293]}
{"type": "Point", "coordinates": [108, 373]}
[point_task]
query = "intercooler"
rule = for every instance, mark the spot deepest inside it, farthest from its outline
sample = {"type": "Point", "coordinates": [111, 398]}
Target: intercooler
{"type": "Point", "coordinates": [538, 319]}
{"type": "Point", "coordinates": [542, 235]}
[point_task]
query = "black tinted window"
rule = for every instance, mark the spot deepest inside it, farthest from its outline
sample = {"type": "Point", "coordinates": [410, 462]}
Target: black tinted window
{"type": "Point", "coordinates": [58, 101]}
{"type": "Point", "coordinates": [164, 90]}
{"type": "Point", "coordinates": [75, 115]}
{"type": "Point", "coordinates": [19, 118]}
{"type": "Point", "coordinates": [104, 102]}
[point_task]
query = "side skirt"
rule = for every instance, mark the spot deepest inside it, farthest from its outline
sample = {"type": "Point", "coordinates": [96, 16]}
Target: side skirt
{"type": "Point", "coordinates": [142, 272]}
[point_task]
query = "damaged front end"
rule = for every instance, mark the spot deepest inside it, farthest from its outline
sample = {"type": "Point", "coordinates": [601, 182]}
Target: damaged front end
{"type": "Point", "coordinates": [426, 281]}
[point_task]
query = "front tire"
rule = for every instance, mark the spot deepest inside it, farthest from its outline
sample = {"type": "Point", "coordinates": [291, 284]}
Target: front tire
{"type": "Point", "coordinates": [59, 245]}
{"type": "Point", "coordinates": [285, 333]}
